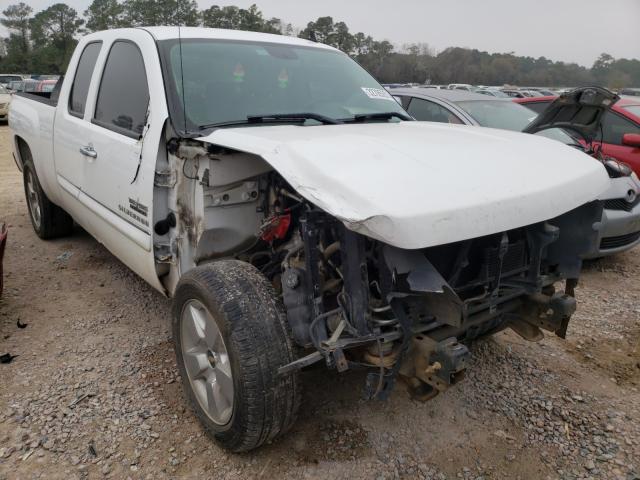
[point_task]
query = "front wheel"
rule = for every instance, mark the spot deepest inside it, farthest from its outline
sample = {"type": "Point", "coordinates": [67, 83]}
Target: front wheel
{"type": "Point", "coordinates": [230, 337]}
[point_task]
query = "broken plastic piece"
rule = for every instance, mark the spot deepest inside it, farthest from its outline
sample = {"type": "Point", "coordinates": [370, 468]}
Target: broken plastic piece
{"type": "Point", "coordinates": [7, 358]}
{"type": "Point", "coordinates": [3, 241]}
{"type": "Point", "coordinates": [277, 228]}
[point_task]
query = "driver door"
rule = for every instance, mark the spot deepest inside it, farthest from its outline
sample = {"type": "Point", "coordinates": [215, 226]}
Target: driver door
{"type": "Point", "coordinates": [113, 184]}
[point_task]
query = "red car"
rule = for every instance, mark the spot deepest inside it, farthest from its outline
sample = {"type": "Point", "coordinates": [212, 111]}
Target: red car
{"type": "Point", "coordinates": [46, 85]}
{"type": "Point", "coordinates": [620, 128]}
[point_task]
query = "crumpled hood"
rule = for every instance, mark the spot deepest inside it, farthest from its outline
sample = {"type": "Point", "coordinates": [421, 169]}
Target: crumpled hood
{"type": "Point", "coordinates": [420, 184]}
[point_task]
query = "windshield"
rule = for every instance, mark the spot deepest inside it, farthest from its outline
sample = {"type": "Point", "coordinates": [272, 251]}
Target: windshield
{"type": "Point", "coordinates": [508, 115]}
{"type": "Point", "coordinates": [227, 81]}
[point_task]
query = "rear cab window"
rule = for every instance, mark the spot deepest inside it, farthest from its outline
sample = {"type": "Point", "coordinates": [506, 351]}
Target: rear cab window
{"type": "Point", "coordinates": [82, 79]}
{"type": "Point", "coordinates": [123, 95]}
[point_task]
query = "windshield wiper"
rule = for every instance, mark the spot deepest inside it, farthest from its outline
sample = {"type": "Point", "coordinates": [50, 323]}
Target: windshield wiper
{"type": "Point", "coordinates": [274, 118]}
{"type": "Point", "coordinates": [293, 117]}
{"type": "Point", "coordinates": [380, 116]}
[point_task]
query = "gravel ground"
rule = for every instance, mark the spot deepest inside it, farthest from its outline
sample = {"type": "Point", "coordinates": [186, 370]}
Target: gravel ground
{"type": "Point", "coordinates": [94, 391]}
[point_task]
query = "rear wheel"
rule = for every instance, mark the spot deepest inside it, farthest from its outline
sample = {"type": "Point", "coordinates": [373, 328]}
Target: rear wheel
{"type": "Point", "coordinates": [48, 220]}
{"type": "Point", "coordinates": [231, 336]}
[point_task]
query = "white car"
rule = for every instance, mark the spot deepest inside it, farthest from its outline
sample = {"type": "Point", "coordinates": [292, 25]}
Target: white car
{"type": "Point", "coordinates": [620, 223]}
{"type": "Point", "coordinates": [296, 214]}
{"type": "Point", "coordinates": [5, 100]}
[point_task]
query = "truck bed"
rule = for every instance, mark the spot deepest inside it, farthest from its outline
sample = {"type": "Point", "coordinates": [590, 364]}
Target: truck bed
{"type": "Point", "coordinates": [48, 98]}
{"type": "Point", "coordinates": [31, 118]}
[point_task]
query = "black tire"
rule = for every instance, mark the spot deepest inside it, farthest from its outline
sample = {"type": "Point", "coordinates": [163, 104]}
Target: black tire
{"type": "Point", "coordinates": [54, 222]}
{"type": "Point", "coordinates": [253, 326]}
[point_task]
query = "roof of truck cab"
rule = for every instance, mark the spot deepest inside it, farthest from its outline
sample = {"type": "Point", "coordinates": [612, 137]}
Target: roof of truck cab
{"type": "Point", "coordinates": [169, 33]}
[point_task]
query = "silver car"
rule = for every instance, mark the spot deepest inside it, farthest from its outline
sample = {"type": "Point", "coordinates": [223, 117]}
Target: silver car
{"type": "Point", "coordinates": [620, 229]}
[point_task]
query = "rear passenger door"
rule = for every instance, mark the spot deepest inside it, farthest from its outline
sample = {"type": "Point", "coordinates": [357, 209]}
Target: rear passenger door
{"type": "Point", "coordinates": [70, 127]}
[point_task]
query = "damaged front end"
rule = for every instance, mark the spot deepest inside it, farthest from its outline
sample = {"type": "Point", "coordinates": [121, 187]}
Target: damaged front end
{"type": "Point", "coordinates": [358, 303]}
{"type": "Point", "coordinates": [355, 302]}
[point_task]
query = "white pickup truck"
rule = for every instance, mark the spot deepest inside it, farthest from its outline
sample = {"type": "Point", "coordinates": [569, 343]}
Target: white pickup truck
{"type": "Point", "coordinates": [297, 214]}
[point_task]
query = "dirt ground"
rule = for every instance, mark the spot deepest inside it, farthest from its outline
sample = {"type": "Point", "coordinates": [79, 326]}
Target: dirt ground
{"type": "Point", "coordinates": [94, 392]}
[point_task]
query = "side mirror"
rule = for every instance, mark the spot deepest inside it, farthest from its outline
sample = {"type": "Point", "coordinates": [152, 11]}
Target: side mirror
{"type": "Point", "coordinates": [631, 139]}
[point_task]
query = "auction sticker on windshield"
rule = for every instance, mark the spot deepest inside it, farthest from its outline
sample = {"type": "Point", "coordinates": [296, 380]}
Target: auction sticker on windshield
{"type": "Point", "coordinates": [377, 93]}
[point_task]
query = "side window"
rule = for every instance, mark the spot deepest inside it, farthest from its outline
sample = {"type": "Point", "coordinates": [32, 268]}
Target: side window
{"type": "Point", "coordinates": [404, 101]}
{"type": "Point", "coordinates": [82, 79]}
{"type": "Point", "coordinates": [430, 112]}
{"type": "Point", "coordinates": [123, 96]}
{"type": "Point", "coordinates": [614, 127]}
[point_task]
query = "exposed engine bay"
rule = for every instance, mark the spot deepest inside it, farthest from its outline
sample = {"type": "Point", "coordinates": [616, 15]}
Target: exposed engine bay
{"type": "Point", "coordinates": [354, 302]}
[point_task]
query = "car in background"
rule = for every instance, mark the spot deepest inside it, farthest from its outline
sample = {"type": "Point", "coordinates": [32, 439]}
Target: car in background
{"type": "Point", "coordinates": [542, 91]}
{"type": "Point", "coordinates": [44, 77]}
{"type": "Point", "coordinates": [5, 100]}
{"type": "Point", "coordinates": [621, 217]}
{"type": "Point", "coordinates": [492, 92]}
{"type": "Point", "coordinates": [396, 85]}
{"type": "Point", "coordinates": [439, 87]}
{"type": "Point", "coordinates": [515, 93]}
{"type": "Point", "coordinates": [632, 92]}
{"type": "Point", "coordinates": [461, 86]}
{"type": "Point", "coordinates": [5, 79]}
{"type": "Point", "coordinates": [24, 86]}
{"type": "Point", "coordinates": [520, 93]}
{"type": "Point", "coordinates": [46, 85]}
{"type": "Point", "coordinates": [620, 135]}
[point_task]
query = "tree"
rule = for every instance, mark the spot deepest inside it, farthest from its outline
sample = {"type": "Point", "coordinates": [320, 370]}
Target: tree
{"type": "Point", "coordinates": [104, 14]}
{"type": "Point", "coordinates": [182, 12]}
{"type": "Point", "coordinates": [320, 30]}
{"type": "Point", "coordinates": [53, 32]}
{"type": "Point", "coordinates": [275, 25]}
{"type": "Point", "coordinates": [43, 44]}
{"type": "Point", "coordinates": [235, 18]}
{"type": "Point", "coordinates": [225, 17]}
{"type": "Point", "coordinates": [324, 30]}
{"type": "Point", "coordinates": [161, 12]}
{"type": "Point", "coordinates": [602, 67]}
{"type": "Point", "coordinates": [16, 20]}
{"type": "Point", "coordinates": [251, 19]}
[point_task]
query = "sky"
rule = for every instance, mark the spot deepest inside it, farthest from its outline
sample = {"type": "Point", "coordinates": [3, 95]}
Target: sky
{"type": "Point", "coordinates": [568, 30]}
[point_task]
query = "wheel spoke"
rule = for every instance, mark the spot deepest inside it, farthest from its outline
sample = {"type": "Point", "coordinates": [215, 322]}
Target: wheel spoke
{"type": "Point", "coordinates": [213, 395]}
{"type": "Point", "coordinates": [33, 199]}
{"type": "Point", "coordinates": [223, 364]}
{"type": "Point", "coordinates": [193, 326]}
{"type": "Point", "coordinates": [196, 363]}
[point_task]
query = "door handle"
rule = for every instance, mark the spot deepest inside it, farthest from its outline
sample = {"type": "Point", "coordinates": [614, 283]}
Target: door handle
{"type": "Point", "coordinates": [88, 151]}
